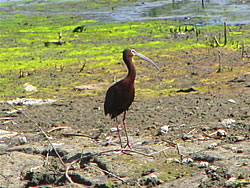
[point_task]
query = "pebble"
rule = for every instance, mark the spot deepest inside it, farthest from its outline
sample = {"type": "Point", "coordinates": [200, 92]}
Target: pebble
{"type": "Point", "coordinates": [204, 157]}
{"type": "Point", "coordinates": [187, 137]}
{"type": "Point", "coordinates": [164, 129]}
{"type": "Point", "coordinates": [152, 181]}
{"type": "Point", "coordinates": [204, 165]}
{"type": "Point", "coordinates": [228, 122]}
{"type": "Point", "coordinates": [149, 171]}
{"type": "Point", "coordinates": [177, 161]}
{"type": "Point", "coordinates": [231, 101]}
{"type": "Point", "coordinates": [236, 150]}
{"type": "Point", "coordinates": [237, 138]}
{"type": "Point", "coordinates": [14, 111]}
{"type": "Point", "coordinates": [114, 129]}
{"type": "Point", "coordinates": [187, 160]}
{"type": "Point", "coordinates": [29, 88]}
{"type": "Point", "coordinates": [25, 101]}
{"type": "Point", "coordinates": [22, 140]}
{"type": "Point", "coordinates": [212, 146]}
{"type": "Point", "coordinates": [84, 87]}
{"type": "Point", "coordinates": [183, 125]}
{"type": "Point", "coordinates": [221, 133]}
{"type": "Point", "coordinates": [212, 168]}
{"type": "Point", "coordinates": [231, 182]}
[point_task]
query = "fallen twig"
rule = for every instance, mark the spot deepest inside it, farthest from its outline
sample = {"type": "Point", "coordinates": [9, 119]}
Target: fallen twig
{"type": "Point", "coordinates": [46, 136]}
{"type": "Point", "coordinates": [178, 148]}
{"type": "Point", "coordinates": [67, 175]}
{"type": "Point", "coordinates": [107, 172]}
{"type": "Point", "coordinates": [156, 152]}
{"type": "Point", "coordinates": [170, 142]}
{"type": "Point", "coordinates": [124, 150]}
{"type": "Point", "coordinates": [75, 134]}
{"type": "Point", "coordinates": [179, 152]}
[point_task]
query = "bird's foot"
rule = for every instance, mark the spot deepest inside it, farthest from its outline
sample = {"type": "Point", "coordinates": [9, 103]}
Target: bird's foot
{"type": "Point", "coordinates": [124, 151]}
{"type": "Point", "coordinates": [128, 145]}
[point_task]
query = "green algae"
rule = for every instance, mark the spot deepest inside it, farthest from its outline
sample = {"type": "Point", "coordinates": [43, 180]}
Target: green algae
{"type": "Point", "coordinates": [100, 45]}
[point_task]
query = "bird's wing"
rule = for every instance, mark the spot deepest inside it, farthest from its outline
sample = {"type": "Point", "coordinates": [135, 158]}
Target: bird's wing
{"type": "Point", "coordinates": [109, 101]}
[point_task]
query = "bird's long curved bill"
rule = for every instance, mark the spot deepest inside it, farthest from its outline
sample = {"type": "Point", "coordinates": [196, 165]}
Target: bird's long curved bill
{"type": "Point", "coordinates": [147, 59]}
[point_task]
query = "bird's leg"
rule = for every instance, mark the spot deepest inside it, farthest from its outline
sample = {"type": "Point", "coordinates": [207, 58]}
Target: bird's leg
{"type": "Point", "coordinates": [125, 128]}
{"type": "Point", "coordinates": [118, 130]}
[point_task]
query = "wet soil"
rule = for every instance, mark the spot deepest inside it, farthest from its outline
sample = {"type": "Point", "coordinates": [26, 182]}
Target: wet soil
{"type": "Point", "coordinates": [209, 122]}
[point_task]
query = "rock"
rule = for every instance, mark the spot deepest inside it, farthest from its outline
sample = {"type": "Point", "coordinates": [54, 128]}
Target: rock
{"type": "Point", "coordinates": [149, 171]}
{"type": "Point", "coordinates": [187, 160]}
{"type": "Point", "coordinates": [204, 165]}
{"type": "Point", "coordinates": [25, 101]}
{"type": "Point", "coordinates": [231, 182]}
{"type": "Point", "coordinates": [236, 150]}
{"type": "Point", "coordinates": [187, 137]}
{"type": "Point", "coordinates": [114, 129]}
{"type": "Point", "coordinates": [212, 146]}
{"type": "Point", "coordinates": [186, 90]}
{"type": "Point", "coordinates": [29, 88]}
{"type": "Point", "coordinates": [204, 157]}
{"type": "Point", "coordinates": [22, 140]}
{"type": "Point", "coordinates": [221, 133]}
{"type": "Point", "coordinates": [163, 130]}
{"type": "Point", "coordinates": [212, 169]}
{"type": "Point", "coordinates": [183, 125]}
{"type": "Point", "coordinates": [3, 147]}
{"type": "Point", "coordinates": [151, 181]}
{"type": "Point", "coordinates": [231, 101]}
{"type": "Point", "coordinates": [238, 79]}
{"type": "Point", "coordinates": [237, 138]}
{"type": "Point", "coordinates": [228, 122]}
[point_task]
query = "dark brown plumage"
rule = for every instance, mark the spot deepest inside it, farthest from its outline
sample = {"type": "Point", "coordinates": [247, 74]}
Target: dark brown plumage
{"type": "Point", "coordinates": [120, 95]}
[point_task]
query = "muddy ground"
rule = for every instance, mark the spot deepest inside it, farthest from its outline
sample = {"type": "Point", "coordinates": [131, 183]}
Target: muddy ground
{"type": "Point", "coordinates": [209, 122]}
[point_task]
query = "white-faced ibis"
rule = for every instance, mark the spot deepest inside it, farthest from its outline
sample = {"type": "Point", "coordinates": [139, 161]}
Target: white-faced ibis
{"type": "Point", "coordinates": [120, 96]}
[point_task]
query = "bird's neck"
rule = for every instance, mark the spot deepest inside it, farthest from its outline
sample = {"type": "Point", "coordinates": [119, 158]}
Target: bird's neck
{"type": "Point", "coordinates": [131, 69]}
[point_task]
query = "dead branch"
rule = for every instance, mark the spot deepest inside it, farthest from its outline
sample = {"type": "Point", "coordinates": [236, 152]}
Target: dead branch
{"type": "Point", "coordinates": [75, 134]}
{"type": "Point", "coordinates": [46, 136]}
{"type": "Point", "coordinates": [107, 172]}
{"type": "Point", "coordinates": [124, 150]}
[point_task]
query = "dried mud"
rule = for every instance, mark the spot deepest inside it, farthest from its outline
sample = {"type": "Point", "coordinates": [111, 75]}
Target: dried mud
{"type": "Point", "coordinates": [210, 124]}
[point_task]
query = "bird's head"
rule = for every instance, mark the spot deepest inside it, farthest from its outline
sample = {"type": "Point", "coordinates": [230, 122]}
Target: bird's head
{"type": "Point", "coordinates": [131, 52]}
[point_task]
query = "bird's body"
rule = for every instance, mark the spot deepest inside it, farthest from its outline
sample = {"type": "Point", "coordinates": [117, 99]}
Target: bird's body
{"type": "Point", "coordinates": [118, 98]}
{"type": "Point", "coordinates": [120, 95]}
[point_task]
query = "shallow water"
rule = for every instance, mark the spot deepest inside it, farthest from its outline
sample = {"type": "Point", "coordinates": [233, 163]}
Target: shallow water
{"type": "Point", "coordinates": [214, 11]}
{"type": "Point", "coordinates": [234, 12]}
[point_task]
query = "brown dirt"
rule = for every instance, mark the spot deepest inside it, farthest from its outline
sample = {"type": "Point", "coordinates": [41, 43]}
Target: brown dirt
{"type": "Point", "coordinates": [191, 117]}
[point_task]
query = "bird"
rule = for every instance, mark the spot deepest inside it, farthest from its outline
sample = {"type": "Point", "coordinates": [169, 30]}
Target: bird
{"type": "Point", "coordinates": [121, 95]}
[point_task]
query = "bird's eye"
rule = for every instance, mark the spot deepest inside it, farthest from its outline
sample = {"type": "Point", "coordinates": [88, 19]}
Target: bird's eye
{"type": "Point", "coordinates": [133, 52]}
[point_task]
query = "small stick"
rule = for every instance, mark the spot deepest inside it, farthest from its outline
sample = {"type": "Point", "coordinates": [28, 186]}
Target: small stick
{"type": "Point", "coordinates": [46, 136]}
{"type": "Point", "coordinates": [242, 50]}
{"type": "Point", "coordinates": [178, 148]}
{"type": "Point", "coordinates": [225, 33]}
{"type": "Point", "coordinates": [109, 173]}
{"type": "Point", "coordinates": [191, 131]}
{"type": "Point", "coordinates": [216, 41]}
{"type": "Point", "coordinates": [219, 68]}
{"type": "Point", "coordinates": [67, 174]}
{"type": "Point", "coordinates": [179, 152]}
{"type": "Point", "coordinates": [170, 142]}
{"type": "Point", "coordinates": [83, 66]}
{"type": "Point", "coordinates": [74, 134]}
{"type": "Point", "coordinates": [203, 4]}
{"type": "Point", "coordinates": [125, 150]}
{"type": "Point", "coordinates": [163, 150]}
